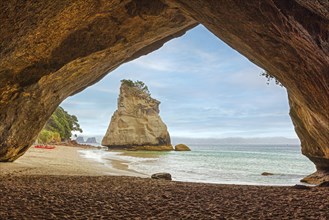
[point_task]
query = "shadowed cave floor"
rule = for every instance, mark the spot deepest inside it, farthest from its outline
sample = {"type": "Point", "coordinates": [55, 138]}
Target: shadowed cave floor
{"type": "Point", "coordinates": [109, 197]}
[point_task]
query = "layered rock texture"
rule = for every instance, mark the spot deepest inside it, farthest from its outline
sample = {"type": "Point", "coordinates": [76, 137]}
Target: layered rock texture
{"type": "Point", "coordinates": [52, 49]}
{"type": "Point", "coordinates": [136, 123]}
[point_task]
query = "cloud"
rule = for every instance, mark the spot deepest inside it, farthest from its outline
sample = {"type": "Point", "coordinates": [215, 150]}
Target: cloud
{"type": "Point", "coordinates": [180, 57]}
{"type": "Point", "coordinates": [157, 64]}
{"type": "Point", "coordinates": [105, 90]}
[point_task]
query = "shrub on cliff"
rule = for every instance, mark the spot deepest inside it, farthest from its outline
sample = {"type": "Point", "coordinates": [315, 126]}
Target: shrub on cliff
{"type": "Point", "coordinates": [137, 84]}
{"type": "Point", "coordinates": [59, 127]}
{"type": "Point", "coordinates": [270, 78]}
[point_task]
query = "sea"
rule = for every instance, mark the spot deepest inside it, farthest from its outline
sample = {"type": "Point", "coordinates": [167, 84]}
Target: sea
{"type": "Point", "coordinates": [218, 163]}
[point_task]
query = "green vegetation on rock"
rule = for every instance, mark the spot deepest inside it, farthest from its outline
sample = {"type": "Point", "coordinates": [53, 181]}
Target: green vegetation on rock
{"type": "Point", "coordinates": [59, 127]}
{"type": "Point", "coordinates": [48, 137]}
{"type": "Point", "coordinates": [270, 78]}
{"type": "Point", "coordinates": [137, 84]}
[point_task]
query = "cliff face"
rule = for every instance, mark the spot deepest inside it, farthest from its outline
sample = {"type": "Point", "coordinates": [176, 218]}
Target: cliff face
{"type": "Point", "coordinates": [50, 50]}
{"type": "Point", "coordinates": [136, 123]}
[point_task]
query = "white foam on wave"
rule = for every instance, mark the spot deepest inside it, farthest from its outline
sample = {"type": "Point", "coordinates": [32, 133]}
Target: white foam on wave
{"type": "Point", "coordinates": [107, 158]}
{"type": "Point", "coordinates": [226, 165]}
{"type": "Point", "coordinates": [95, 155]}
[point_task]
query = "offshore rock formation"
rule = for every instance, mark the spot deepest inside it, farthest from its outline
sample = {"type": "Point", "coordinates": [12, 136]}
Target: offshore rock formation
{"type": "Point", "coordinates": [53, 49]}
{"type": "Point", "coordinates": [91, 140]}
{"type": "Point", "coordinates": [136, 123]}
{"type": "Point", "coordinates": [80, 140]}
{"type": "Point", "coordinates": [182, 147]}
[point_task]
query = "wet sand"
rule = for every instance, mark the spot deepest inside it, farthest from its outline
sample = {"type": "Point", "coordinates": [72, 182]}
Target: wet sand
{"type": "Point", "coordinates": [60, 184]}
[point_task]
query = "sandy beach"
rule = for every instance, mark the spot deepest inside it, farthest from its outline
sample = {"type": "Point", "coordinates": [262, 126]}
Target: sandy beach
{"type": "Point", "coordinates": [63, 160]}
{"type": "Point", "coordinates": [60, 184]}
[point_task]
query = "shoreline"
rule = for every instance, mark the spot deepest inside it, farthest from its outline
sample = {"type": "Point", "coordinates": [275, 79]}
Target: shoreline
{"type": "Point", "coordinates": [63, 160]}
{"type": "Point", "coordinates": [86, 161]}
{"type": "Point", "coordinates": [62, 184]}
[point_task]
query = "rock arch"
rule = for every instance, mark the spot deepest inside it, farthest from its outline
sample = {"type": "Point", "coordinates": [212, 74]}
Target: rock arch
{"type": "Point", "coordinates": [51, 50]}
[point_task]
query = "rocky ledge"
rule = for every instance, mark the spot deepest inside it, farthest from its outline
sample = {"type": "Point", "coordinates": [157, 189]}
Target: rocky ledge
{"type": "Point", "coordinates": [136, 124]}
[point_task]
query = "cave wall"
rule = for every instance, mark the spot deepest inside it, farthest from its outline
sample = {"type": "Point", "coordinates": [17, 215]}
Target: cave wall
{"type": "Point", "coordinates": [51, 50]}
{"type": "Point", "coordinates": [290, 40]}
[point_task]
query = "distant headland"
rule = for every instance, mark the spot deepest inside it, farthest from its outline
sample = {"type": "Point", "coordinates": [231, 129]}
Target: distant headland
{"type": "Point", "coordinates": [90, 140]}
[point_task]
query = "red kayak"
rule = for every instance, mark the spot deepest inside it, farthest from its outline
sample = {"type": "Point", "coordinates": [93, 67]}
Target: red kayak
{"type": "Point", "coordinates": [44, 147]}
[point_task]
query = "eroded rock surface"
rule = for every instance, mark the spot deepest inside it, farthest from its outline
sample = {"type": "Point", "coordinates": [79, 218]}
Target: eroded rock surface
{"type": "Point", "coordinates": [136, 123]}
{"type": "Point", "coordinates": [52, 49]}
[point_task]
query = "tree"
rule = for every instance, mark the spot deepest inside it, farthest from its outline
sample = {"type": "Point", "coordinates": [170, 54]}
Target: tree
{"type": "Point", "coordinates": [48, 137]}
{"type": "Point", "coordinates": [137, 84]}
{"type": "Point", "coordinates": [59, 126]}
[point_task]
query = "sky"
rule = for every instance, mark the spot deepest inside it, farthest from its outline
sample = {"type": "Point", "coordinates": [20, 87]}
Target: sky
{"type": "Point", "coordinates": [206, 89]}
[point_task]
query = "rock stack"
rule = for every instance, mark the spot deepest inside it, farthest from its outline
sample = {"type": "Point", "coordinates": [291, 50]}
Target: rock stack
{"type": "Point", "coordinates": [136, 124]}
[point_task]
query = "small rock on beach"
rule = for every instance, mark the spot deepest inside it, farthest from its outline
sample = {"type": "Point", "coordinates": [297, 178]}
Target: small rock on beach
{"type": "Point", "coordinates": [164, 176]}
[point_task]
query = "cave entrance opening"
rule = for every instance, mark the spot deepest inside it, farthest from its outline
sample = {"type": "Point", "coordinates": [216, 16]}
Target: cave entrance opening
{"type": "Point", "coordinates": [206, 89]}
{"type": "Point", "coordinates": [40, 69]}
{"type": "Point", "coordinates": [212, 99]}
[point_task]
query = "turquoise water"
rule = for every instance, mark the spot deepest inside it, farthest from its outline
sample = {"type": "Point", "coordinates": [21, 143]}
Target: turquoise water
{"type": "Point", "coordinates": [226, 164]}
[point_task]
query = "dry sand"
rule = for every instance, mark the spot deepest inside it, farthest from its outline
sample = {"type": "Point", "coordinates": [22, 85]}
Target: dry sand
{"type": "Point", "coordinates": [59, 184]}
{"type": "Point", "coordinates": [63, 160]}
